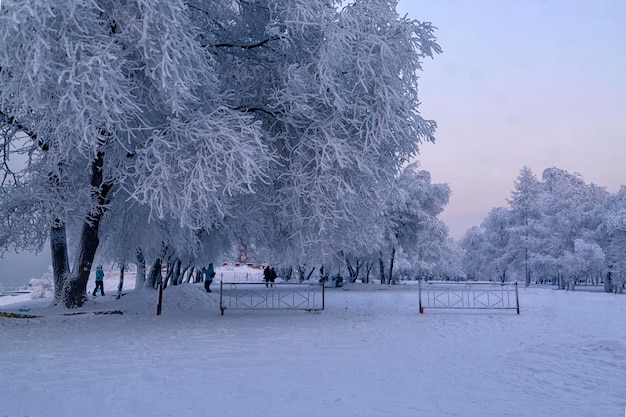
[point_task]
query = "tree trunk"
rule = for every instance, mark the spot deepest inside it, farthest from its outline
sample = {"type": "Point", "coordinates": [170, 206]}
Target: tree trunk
{"type": "Point", "coordinates": [75, 285]}
{"type": "Point", "coordinates": [169, 275]}
{"type": "Point", "coordinates": [60, 259]}
{"type": "Point", "coordinates": [608, 285]}
{"type": "Point", "coordinates": [351, 274]}
{"type": "Point", "coordinates": [381, 265]}
{"type": "Point", "coordinates": [287, 273]}
{"type": "Point", "coordinates": [155, 275]}
{"type": "Point", "coordinates": [310, 273]}
{"type": "Point", "coordinates": [140, 278]}
{"type": "Point", "coordinates": [527, 278]}
{"type": "Point", "coordinates": [368, 268]}
{"type": "Point", "coordinates": [176, 276]}
{"type": "Point", "coordinates": [301, 271]}
{"type": "Point", "coordinates": [393, 256]}
{"type": "Point", "coordinates": [120, 285]}
{"type": "Point", "coordinates": [184, 276]}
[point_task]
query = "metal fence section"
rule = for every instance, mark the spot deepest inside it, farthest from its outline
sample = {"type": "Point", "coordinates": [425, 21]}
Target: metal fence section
{"type": "Point", "coordinates": [468, 295]}
{"type": "Point", "coordinates": [278, 296]}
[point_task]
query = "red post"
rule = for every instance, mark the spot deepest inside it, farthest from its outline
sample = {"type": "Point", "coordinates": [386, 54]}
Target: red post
{"type": "Point", "coordinates": [160, 299]}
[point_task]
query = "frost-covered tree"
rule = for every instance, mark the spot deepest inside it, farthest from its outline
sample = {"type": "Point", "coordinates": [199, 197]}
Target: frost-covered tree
{"type": "Point", "coordinates": [613, 240]}
{"type": "Point", "coordinates": [336, 90]}
{"type": "Point", "coordinates": [487, 254]}
{"type": "Point", "coordinates": [209, 113]}
{"type": "Point", "coordinates": [524, 204]}
{"type": "Point", "coordinates": [586, 259]}
{"type": "Point", "coordinates": [558, 228]}
{"type": "Point", "coordinates": [568, 213]}
{"type": "Point", "coordinates": [472, 244]}
{"type": "Point", "coordinates": [120, 96]}
{"type": "Point", "coordinates": [498, 254]}
{"type": "Point", "coordinates": [413, 209]}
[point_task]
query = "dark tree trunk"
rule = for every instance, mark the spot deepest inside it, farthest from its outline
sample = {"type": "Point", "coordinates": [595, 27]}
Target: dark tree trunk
{"type": "Point", "coordinates": [608, 285]}
{"type": "Point", "coordinates": [301, 271]}
{"type": "Point", "coordinates": [357, 268]}
{"type": "Point", "coordinates": [351, 276]}
{"type": "Point", "coordinates": [527, 282]}
{"type": "Point", "coordinates": [76, 284]}
{"type": "Point", "coordinates": [381, 265]}
{"type": "Point", "coordinates": [169, 275]}
{"type": "Point", "coordinates": [60, 259]}
{"type": "Point", "coordinates": [368, 269]}
{"type": "Point", "coordinates": [393, 257]}
{"type": "Point", "coordinates": [287, 273]}
{"type": "Point", "coordinates": [176, 275]}
{"type": "Point", "coordinates": [155, 274]}
{"type": "Point", "coordinates": [310, 273]}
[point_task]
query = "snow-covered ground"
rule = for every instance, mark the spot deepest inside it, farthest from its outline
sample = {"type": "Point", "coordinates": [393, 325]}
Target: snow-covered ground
{"type": "Point", "coordinates": [369, 353]}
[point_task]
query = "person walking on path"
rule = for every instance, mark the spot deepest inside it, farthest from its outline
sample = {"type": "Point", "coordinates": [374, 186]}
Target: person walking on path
{"type": "Point", "coordinates": [99, 280]}
{"type": "Point", "coordinates": [209, 274]}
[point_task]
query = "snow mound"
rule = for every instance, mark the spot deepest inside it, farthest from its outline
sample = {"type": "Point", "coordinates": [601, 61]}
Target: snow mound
{"type": "Point", "coordinates": [189, 297]}
{"type": "Point", "coordinates": [184, 299]}
{"type": "Point", "coordinates": [181, 299]}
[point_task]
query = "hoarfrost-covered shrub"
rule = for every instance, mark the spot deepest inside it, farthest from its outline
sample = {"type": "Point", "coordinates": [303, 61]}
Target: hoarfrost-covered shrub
{"type": "Point", "coordinates": [42, 287]}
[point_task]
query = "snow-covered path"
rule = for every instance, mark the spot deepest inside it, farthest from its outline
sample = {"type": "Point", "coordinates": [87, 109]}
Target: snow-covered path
{"type": "Point", "coordinates": [368, 354]}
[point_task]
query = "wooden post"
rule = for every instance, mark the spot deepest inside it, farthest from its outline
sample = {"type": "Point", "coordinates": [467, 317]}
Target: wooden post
{"type": "Point", "coordinates": [221, 291]}
{"type": "Point", "coordinates": [419, 286]}
{"type": "Point", "coordinates": [516, 297]}
{"type": "Point", "coordinates": [160, 299]}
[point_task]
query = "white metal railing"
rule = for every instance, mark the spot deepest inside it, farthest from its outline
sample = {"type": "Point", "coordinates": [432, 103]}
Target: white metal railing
{"type": "Point", "coordinates": [468, 295]}
{"type": "Point", "coordinates": [271, 296]}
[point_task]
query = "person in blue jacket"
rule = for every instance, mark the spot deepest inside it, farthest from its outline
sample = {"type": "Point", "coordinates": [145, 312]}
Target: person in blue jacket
{"type": "Point", "coordinates": [99, 280]}
{"type": "Point", "coordinates": [209, 274]}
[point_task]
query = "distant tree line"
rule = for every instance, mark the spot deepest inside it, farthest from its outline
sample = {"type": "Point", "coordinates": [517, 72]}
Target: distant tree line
{"type": "Point", "coordinates": [558, 229]}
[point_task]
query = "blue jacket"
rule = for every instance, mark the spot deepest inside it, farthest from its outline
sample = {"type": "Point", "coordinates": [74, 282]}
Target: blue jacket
{"type": "Point", "coordinates": [99, 274]}
{"type": "Point", "coordinates": [209, 273]}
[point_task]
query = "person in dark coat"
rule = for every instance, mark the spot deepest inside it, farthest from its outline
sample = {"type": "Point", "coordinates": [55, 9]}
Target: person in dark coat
{"type": "Point", "coordinates": [267, 273]}
{"type": "Point", "coordinates": [272, 275]}
{"type": "Point", "coordinates": [209, 274]}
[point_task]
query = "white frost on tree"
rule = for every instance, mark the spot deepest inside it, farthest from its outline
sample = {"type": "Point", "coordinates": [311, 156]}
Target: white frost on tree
{"type": "Point", "coordinates": [211, 114]}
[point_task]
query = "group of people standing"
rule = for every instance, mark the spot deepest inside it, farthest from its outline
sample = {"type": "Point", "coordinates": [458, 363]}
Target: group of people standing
{"type": "Point", "coordinates": [269, 275]}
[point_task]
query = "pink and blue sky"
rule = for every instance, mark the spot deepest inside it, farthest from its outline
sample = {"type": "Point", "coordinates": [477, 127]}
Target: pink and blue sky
{"type": "Point", "coordinates": [540, 83]}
